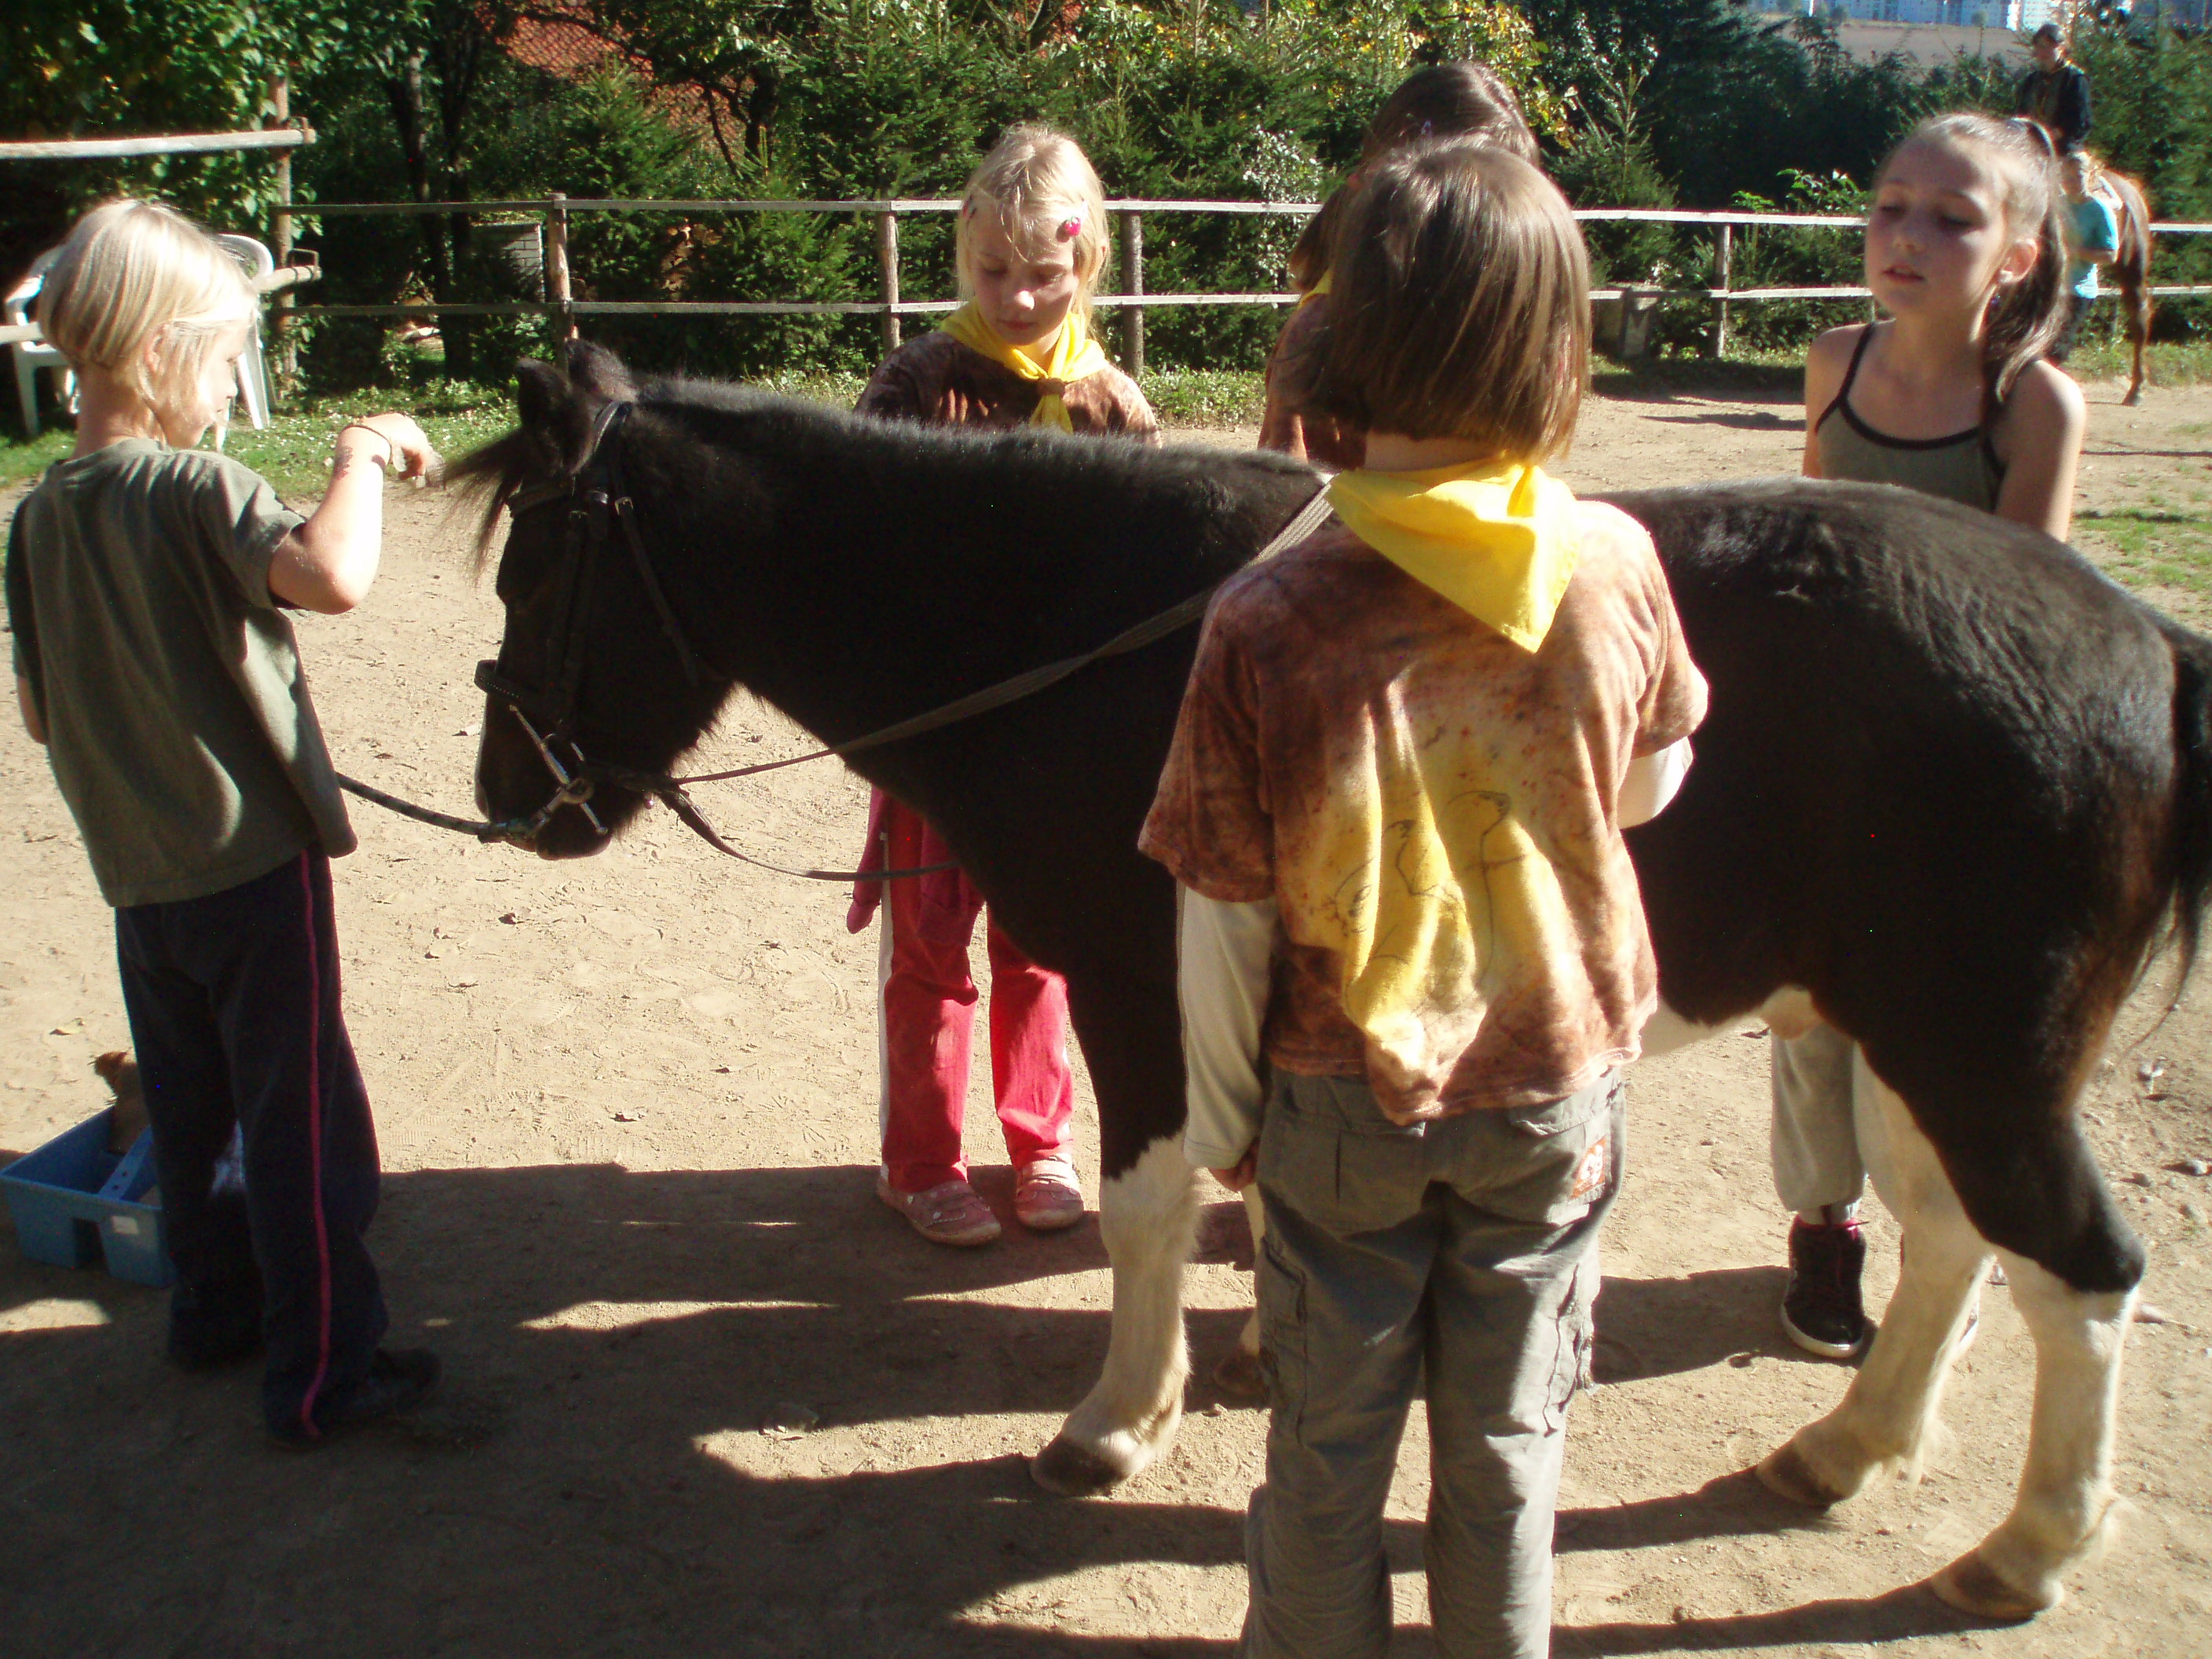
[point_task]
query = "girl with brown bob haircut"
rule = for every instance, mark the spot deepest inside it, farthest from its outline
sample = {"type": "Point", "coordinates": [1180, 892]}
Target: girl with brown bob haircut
{"type": "Point", "coordinates": [1459, 305]}
{"type": "Point", "coordinates": [1394, 805]}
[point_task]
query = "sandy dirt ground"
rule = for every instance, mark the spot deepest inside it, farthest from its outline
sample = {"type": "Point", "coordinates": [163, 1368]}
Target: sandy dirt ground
{"type": "Point", "coordinates": [627, 1113]}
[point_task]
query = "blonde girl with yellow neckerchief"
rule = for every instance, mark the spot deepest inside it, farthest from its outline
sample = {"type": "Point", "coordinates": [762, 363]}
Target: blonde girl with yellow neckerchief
{"type": "Point", "coordinates": [1031, 245]}
{"type": "Point", "coordinates": [1411, 955]}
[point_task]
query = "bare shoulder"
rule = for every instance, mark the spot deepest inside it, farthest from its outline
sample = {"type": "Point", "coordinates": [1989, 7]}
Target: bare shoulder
{"type": "Point", "coordinates": [2046, 410]}
{"type": "Point", "coordinates": [1835, 346]}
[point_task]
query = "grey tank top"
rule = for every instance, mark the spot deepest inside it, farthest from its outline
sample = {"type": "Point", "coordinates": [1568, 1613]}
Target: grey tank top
{"type": "Point", "coordinates": [1962, 468]}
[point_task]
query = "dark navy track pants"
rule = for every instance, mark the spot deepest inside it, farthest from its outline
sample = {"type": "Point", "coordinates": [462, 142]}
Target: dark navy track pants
{"type": "Point", "coordinates": [234, 1013]}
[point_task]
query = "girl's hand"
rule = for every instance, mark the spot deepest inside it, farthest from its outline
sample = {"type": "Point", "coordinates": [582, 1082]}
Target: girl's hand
{"type": "Point", "coordinates": [1240, 1174]}
{"type": "Point", "coordinates": [409, 451]}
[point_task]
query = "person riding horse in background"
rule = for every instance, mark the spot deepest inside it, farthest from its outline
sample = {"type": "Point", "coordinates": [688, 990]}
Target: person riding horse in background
{"type": "Point", "coordinates": [1443, 101]}
{"type": "Point", "coordinates": [2056, 92]}
{"type": "Point", "coordinates": [2092, 239]}
{"type": "Point", "coordinates": [1031, 244]}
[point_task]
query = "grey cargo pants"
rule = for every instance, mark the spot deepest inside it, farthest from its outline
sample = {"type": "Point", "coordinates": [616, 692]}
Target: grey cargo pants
{"type": "Point", "coordinates": [1466, 1247]}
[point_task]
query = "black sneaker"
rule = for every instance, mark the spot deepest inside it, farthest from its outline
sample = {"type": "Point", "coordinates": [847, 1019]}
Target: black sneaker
{"type": "Point", "coordinates": [396, 1383]}
{"type": "Point", "coordinates": [1821, 1311]}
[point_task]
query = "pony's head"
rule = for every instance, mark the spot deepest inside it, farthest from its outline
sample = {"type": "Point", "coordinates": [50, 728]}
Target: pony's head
{"type": "Point", "coordinates": [596, 685]}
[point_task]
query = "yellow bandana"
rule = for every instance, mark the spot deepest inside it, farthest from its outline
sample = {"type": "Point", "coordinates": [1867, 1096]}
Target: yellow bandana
{"type": "Point", "coordinates": [1073, 355]}
{"type": "Point", "coordinates": [1498, 540]}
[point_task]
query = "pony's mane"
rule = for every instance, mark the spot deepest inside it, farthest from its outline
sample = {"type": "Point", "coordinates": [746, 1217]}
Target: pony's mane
{"type": "Point", "coordinates": [709, 410]}
{"type": "Point", "coordinates": [492, 474]}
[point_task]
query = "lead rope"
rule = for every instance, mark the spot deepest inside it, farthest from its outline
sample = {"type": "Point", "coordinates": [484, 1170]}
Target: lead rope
{"type": "Point", "coordinates": [669, 791]}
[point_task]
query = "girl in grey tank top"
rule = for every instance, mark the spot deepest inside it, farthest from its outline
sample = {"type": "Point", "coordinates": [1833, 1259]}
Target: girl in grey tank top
{"type": "Point", "coordinates": [1963, 467]}
{"type": "Point", "coordinates": [1963, 250]}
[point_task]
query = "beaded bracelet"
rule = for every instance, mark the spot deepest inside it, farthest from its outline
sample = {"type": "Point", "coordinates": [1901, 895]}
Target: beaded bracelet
{"type": "Point", "coordinates": [390, 449]}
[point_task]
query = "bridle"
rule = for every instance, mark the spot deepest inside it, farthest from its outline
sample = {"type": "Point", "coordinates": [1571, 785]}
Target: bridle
{"type": "Point", "coordinates": [598, 503]}
{"type": "Point", "coordinates": [599, 499]}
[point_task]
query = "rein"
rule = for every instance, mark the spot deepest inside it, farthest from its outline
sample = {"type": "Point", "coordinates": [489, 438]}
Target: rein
{"type": "Point", "coordinates": [598, 500]}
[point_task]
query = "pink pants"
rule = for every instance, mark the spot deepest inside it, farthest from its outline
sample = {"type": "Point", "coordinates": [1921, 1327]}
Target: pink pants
{"type": "Point", "coordinates": [927, 1018]}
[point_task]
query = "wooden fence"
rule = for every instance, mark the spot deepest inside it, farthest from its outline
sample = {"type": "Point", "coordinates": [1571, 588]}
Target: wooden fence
{"type": "Point", "coordinates": [559, 304]}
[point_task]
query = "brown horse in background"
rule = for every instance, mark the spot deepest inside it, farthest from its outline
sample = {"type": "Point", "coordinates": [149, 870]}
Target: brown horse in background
{"type": "Point", "coordinates": [2130, 266]}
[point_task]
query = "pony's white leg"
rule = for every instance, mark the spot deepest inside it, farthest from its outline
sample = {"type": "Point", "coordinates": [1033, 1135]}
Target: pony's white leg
{"type": "Point", "coordinates": [1241, 1373]}
{"type": "Point", "coordinates": [2057, 1520]}
{"type": "Point", "coordinates": [1148, 1217]}
{"type": "Point", "coordinates": [1888, 1412]}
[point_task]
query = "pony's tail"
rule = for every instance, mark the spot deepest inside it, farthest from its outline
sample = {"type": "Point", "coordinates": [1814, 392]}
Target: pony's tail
{"type": "Point", "coordinates": [2191, 855]}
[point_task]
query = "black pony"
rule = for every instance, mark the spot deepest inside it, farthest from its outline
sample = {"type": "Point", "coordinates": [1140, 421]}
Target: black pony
{"type": "Point", "coordinates": [1953, 784]}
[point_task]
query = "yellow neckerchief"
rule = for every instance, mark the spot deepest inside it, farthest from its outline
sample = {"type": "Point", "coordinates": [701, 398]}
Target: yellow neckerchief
{"type": "Point", "coordinates": [1437, 892]}
{"type": "Point", "coordinates": [1498, 539]}
{"type": "Point", "coordinates": [1073, 355]}
{"type": "Point", "coordinates": [1314, 293]}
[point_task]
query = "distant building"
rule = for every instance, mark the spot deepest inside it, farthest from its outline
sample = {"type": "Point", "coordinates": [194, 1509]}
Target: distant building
{"type": "Point", "coordinates": [2012, 16]}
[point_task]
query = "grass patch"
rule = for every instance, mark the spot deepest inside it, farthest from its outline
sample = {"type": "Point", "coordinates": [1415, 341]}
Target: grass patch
{"type": "Point", "coordinates": [1206, 396]}
{"type": "Point", "coordinates": [2155, 545]}
{"type": "Point", "coordinates": [294, 452]}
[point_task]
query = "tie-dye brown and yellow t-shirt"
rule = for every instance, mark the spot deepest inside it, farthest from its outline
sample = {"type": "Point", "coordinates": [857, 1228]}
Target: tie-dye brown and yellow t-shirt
{"type": "Point", "coordinates": [1346, 728]}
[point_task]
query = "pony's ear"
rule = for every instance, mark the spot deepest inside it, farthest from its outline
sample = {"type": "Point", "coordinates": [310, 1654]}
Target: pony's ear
{"type": "Point", "coordinates": [540, 389]}
{"type": "Point", "coordinates": [556, 414]}
{"type": "Point", "coordinates": [597, 370]}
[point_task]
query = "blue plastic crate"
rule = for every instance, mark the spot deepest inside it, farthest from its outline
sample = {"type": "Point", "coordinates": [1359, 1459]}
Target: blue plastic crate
{"type": "Point", "coordinates": [74, 1202]}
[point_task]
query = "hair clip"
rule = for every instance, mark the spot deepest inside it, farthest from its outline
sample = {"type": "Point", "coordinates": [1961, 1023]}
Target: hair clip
{"type": "Point", "coordinates": [1071, 227]}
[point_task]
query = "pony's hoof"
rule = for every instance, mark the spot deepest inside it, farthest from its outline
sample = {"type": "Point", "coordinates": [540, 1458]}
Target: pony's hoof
{"type": "Point", "coordinates": [1241, 1376]}
{"type": "Point", "coordinates": [1066, 1470]}
{"type": "Point", "coordinates": [1972, 1586]}
{"type": "Point", "coordinates": [1785, 1473]}
{"type": "Point", "coordinates": [2132, 399]}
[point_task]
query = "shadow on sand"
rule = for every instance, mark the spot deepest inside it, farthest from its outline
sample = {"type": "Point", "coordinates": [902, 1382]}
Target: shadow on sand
{"type": "Point", "coordinates": [593, 1478]}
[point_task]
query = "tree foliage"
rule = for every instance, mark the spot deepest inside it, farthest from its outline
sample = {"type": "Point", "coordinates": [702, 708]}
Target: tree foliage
{"type": "Point", "coordinates": [1639, 103]}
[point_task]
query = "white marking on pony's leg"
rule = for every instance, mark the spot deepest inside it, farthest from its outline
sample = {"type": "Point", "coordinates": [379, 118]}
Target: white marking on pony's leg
{"type": "Point", "coordinates": [2058, 1518]}
{"type": "Point", "coordinates": [1666, 1031]}
{"type": "Point", "coordinates": [1788, 1013]}
{"type": "Point", "coordinates": [1248, 1341]}
{"type": "Point", "coordinates": [1888, 1416]}
{"type": "Point", "coordinates": [1240, 1374]}
{"type": "Point", "coordinates": [1148, 1217]}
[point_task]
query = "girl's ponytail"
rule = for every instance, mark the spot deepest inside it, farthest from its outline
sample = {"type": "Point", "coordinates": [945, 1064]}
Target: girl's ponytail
{"type": "Point", "coordinates": [2026, 318]}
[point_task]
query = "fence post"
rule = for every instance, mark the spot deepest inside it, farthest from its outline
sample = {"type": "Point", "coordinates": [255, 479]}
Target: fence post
{"type": "Point", "coordinates": [288, 355]}
{"type": "Point", "coordinates": [887, 256]}
{"type": "Point", "coordinates": [556, 267]}
{"type": "Point", "coordinates": [1133, 275]}
{"type": "Point", "coordinates": [1721, 306]}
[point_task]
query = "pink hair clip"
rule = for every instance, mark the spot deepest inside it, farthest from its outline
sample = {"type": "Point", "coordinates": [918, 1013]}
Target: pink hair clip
{"type": "Point", "coordinates": [1071, 227]}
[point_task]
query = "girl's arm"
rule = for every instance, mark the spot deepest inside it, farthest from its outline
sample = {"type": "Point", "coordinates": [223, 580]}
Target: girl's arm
{"type": "Point", "coordinates": [1222, 963]}
{"type": "Point", "coordinates": [1824, 373]}
{"type": "Point", "coordinates": [328, 562]}
{"type": "Point", "coordinates": [2040, 443]}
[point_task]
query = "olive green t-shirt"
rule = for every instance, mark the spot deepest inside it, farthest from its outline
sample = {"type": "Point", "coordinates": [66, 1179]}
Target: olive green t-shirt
{"type": "Point", "coordinates": [177, 721]}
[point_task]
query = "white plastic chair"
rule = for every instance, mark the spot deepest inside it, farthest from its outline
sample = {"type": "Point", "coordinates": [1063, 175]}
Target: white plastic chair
{"type": "Point", "coordinates": [252, 372]}
{"type": "Point", "coordinates": [32, 356]}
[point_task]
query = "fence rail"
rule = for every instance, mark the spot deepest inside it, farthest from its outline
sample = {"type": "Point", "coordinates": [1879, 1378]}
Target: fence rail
{"type": "Point", "coordinates": [561, 306]}
{"type": "Point", "coordinates": [175, 143]}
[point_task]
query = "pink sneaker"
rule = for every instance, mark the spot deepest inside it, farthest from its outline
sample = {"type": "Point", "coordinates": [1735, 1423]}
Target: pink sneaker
{"type": "Point", "coordinates": [947, 1213]}
{"type": "Point", "coordinates": [1047, 1196]}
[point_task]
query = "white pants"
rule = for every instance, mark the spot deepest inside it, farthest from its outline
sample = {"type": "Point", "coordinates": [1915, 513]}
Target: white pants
{"type": "Point", "coordinates": [1817, 1161]}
